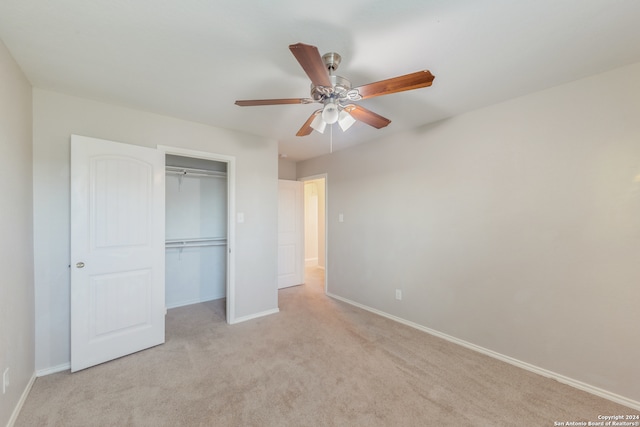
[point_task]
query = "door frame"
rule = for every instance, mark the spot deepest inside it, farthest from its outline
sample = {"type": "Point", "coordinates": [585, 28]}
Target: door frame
{"type": "Point", "coordinates": [231, 214]}
{"type": "Point", "coordinates": [326, 222]}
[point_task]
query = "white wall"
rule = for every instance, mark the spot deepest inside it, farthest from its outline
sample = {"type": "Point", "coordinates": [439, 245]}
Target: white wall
{"type": "Point", "coordinates": [57, 116]}
{"type": "Point", "coordinates": [16, 229]}
{"type": "Point", "coordinates": [515, 228]}
{"type": "Point", "coordinates": [286, 169]}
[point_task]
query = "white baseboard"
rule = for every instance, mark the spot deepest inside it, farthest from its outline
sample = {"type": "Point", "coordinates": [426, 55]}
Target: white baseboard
{"type": "Point", "coordinates": [254, 316]}
{"type": "Point", "coordinates": [23, 398]}
{"type": "Point", "coordinates": [194, 301]}
{"type": "Point", "coordinates": [310, 262]}
{"type": "Point", "coordinates": [53, 369]}
{"type": "Point", "coordinates": [633, 404]}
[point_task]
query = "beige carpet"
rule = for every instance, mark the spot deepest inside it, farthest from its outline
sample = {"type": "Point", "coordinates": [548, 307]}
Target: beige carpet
{"type": "Point", "coordinates": [319, 362]}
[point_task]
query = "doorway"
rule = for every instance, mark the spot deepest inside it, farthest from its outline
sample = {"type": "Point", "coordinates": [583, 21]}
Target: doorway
{"type": "Point", "coordinates": [315, 226]}
{"type": "Point", "coordinates": [200, 240]}
{"type": "Point", "coordinates": [195, 230]}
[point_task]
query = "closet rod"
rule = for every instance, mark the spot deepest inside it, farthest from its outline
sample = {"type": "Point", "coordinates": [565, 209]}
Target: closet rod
{"type": "Point", "coordinates": [197, 239]}
{"type": "Point", "coordinates": [193, 245]}
{"type": "Point", "coordinates": [193, 171]}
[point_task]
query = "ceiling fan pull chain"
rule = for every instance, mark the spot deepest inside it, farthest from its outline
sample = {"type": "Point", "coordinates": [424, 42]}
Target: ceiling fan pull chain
{"type": "Point", "coordinates": [331, 139]}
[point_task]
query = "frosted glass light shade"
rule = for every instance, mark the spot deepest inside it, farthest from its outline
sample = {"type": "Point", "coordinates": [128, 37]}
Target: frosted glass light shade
{"type": "Point", "coordinates": [330, 113]}
{"type": "Point", "coordinates": [345, 120]}
{"type": "Point", "coordinates": [318, 123]}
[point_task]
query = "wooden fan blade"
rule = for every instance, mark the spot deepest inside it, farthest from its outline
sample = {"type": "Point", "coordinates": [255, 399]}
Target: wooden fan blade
{"type": "Point", "coordinates": [312, 63]}
{"type": "Point", "coordinates": [306, 128]}
{"type": "Point", "coordinates": [254, 102]}
{"type": "Point", "coordinates": [367, 116]}
{"type": "Point", "coordinates": [415, 80]}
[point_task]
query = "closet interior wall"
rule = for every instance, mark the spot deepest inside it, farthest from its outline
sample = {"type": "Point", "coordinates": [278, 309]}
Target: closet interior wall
{"type": "Point", "coordinates": [196, 230]}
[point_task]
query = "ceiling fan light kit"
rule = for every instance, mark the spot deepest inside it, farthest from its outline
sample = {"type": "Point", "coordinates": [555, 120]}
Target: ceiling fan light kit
{"type": "Point", "coordinates": [345, 120]}
{"type": "Point", "coordinates": [336, 93]}
{"type": "Point", "coordinates": [330, 112]}
{"type": "Point", "coordinates": [318, 124]}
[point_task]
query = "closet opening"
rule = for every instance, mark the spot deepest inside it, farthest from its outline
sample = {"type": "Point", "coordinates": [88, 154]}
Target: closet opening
{"type": "Point", "coordinates": [196, 231]}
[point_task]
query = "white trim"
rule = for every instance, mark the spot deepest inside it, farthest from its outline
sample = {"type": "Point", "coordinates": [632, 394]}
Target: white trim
{"type": "Point", "coordinates": [256, 315]}
{"type": "Point", "coordinates": [193, 301]}
{"type": "Point", "coordinates": [53, 369]}
{"type": "Point", "coordinates": [510, 360]}
{"type": "Point", "coordinates": [313, 177]}
{"type": "Point", "coordinates": [231, 215]}
{"type": "Point", "coordinates": [20, 404]}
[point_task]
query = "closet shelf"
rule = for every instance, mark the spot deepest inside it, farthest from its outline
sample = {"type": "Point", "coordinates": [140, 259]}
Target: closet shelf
{"type": "Point", "coordinates": [177, 170]}
{"type": "Point", "coordinates": [195, 243]}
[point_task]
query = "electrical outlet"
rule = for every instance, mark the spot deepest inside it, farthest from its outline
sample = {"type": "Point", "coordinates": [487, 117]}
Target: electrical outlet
{"type": "Point", "coordinates": [398, 294]}
{"type": "Point", "coordinates": [5, 380]}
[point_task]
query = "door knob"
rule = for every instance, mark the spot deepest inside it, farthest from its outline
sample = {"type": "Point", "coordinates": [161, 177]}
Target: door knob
{"type": "Point", "coordinates": [79, 264]}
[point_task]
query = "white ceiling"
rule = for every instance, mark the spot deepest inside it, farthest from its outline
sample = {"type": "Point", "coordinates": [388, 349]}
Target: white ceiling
{"type": "Point", "coordinates": [193, 58]}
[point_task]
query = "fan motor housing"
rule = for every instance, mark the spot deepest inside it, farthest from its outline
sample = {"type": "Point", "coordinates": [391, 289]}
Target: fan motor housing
{"type": "Point", "coordinates": [339, 88]}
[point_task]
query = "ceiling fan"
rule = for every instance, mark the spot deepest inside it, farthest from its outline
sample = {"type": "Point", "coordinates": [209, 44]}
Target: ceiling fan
{"type": "Point", "coordinates": [336, 93]}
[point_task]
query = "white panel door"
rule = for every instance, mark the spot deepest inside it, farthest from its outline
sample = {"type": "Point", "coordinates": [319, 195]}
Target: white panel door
{"type": "Point", "coordinates": [290, 233]}
{"type": "Point", "coordinates": [117, 250]}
